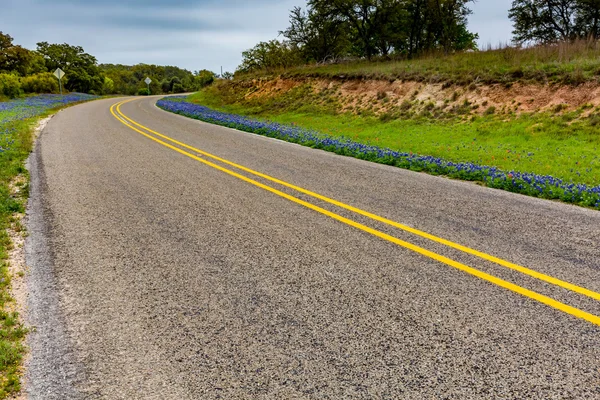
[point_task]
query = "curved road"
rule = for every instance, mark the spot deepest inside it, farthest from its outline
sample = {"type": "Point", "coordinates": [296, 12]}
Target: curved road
{"type": "Point", "coordinates": [160, 272]}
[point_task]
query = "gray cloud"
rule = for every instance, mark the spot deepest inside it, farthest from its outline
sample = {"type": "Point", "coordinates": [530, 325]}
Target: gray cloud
{"type": "Point", "coordinates": [192, 34]}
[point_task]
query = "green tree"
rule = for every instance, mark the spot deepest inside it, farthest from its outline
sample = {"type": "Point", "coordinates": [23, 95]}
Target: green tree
{"type": "Point", "coordinates": [129, 79]}
{"type": "Point", "coordinates": [108, 87]}
{"type": "Point", "coordinates": [320, 36]}
{"type": "Point", "coordinates": [544, 21]}
{"type": "Point", "coordinates": [382, 27]}
{"type": "Point", "coordinates": [588, 18]}
{"type": "Point", "coordinates": [14, 58]}
{"type": "Point", "coordinates": [37, 64]}
{"type": "Point", "coordinates": [82, 70]}
{"type": "Point", "coordinates": [203, 78]}
{"type": "Point", "coordinates": [270, 56]}
{"type": "Point", "coordinates": [363, 16]}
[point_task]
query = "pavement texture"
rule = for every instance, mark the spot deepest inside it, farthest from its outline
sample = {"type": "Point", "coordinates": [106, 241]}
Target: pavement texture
{"type": "Point", "coordinates": [154, 276]}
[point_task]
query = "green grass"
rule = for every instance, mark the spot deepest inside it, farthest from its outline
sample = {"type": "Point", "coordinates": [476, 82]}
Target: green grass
{"type": "Point", "coordinates": [564, 146]}
{"type": "Point", "coordinates": [12, 332]}
{"type": "Point", "coordinates": [566, 63]}
{"type": "Point", "coordinates": [12, 165]}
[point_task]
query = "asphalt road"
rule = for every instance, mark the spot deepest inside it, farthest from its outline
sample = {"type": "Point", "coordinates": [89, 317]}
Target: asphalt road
{"type": "Point", "coordinates": [156, 276]}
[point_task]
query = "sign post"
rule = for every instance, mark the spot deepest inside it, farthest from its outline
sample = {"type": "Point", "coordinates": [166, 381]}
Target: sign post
{"type": "Point", "coordinates": [59, 73]}
{"type": "Point", "coordinates": [148, 81]}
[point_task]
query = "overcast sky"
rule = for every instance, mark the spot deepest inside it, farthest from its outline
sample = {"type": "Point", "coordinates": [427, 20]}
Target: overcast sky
{"type": "Point", "coordinates": [192, 34]}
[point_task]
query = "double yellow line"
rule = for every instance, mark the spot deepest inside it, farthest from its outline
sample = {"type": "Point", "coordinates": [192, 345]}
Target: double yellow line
{"type": "Point", "coordinates": [168, 142]}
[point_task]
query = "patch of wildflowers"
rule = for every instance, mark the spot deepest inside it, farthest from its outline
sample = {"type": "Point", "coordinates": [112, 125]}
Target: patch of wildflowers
{"type": "Point", "coordinates": [543, 186]}
{"type": "Point", "coordinates": [24, 108]}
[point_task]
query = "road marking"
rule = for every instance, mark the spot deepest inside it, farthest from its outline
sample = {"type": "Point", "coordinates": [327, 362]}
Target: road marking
{"type": "Point", "coordinates": [535, 274]}
{"type": "Point", "coordinates": [462, 267]}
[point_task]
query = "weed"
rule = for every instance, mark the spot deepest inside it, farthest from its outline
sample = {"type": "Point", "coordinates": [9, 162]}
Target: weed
{"type": "Point", "coordinates": [594, 120]}
{"type": "Point", "coordinates": [559, 107]}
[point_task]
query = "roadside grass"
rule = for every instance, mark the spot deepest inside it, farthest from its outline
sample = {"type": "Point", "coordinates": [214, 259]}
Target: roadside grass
{"type": "Point", "coordinates": [537, 185]}
{"type": "Point", "coordinates": [564, 146]}
{"type": "Point", "coordinates": [564, 63]}
{"type": "Point", "coordinates": [17, 143]}
{"type": "Point", "coordinates": [18, 118]}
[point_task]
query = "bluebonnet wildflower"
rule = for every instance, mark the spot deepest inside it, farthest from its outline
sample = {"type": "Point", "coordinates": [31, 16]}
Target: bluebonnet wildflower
{"type": "Point", "coordinates": [24, 108]}
{"type": "Point", "coordinates": [544, 186]}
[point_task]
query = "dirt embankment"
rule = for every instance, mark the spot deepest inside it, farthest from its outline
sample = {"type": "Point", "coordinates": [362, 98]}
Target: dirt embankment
{"type": "Point", "coordinates": [382, 96]}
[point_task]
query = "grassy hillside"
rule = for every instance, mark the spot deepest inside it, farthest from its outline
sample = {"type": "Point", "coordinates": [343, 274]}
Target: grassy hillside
{"type": "Point", "coordinates": [561, 141]}
{"type": "Point", "coordinates": [564, 63]}
{"type": "Point", "coordinates": [533, 111]}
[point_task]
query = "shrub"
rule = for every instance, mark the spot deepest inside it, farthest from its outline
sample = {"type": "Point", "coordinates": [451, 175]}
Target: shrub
{"type": "Point", "coordinates": [10, 86]}
{"type": "Point", "coordinates": [143, 92]}
{"type": "Point", "coordinates": [559, 107]}
{"type": "Point", "coordinates": [491, 110]}
{"type": "Point", "coordinates": [43, 82]}
{"type": "Point", "coordinates": [108, 87]}
{"type": "Point", "coordinates": [203, 79]}
{"type": "Point", "coordinates": [178, 88]}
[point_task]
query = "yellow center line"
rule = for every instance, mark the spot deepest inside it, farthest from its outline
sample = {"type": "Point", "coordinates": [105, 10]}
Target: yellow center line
{"type": "Point", "coordinates": [535, 274]}
{"type": "Point", "coordinates": [462, 267]}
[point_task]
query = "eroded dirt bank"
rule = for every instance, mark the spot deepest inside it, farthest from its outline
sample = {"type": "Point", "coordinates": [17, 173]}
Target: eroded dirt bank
{"type": "Point", "coordinates": [381, 96]}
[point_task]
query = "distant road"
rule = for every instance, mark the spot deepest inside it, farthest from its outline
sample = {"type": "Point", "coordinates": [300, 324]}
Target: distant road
{"type": "Point", "coordinates": [173, 259]}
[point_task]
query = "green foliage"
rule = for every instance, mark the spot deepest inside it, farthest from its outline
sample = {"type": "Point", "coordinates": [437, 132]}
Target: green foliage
{"type": "Point", "coordinates": [541, 142]}
{"type": "Point", "coordinates": [10, 86]}
{"type": "Point", "coordinates": [12, 333]}
{"type": "Point", "coordinates": [143, 92]}
{"type": "Point", "coordinates": [562, 63]}
{"type": "Point", "coordinates": [37, 64]}
{"type": "Point", "coordinates": [81, 68]}
{"type": "Point", "coordinates": [14, 58]}
{"type": "Point", "coordinates": [319, 36]}
{"type": "Point", "coordinates": [333, 30]}
{"type": "Point", "coordinates": [178, 88]}
{"type": "Point", "coordinates": [203, 79]}
{"type": "Point", "coordinates": [109, 86]}
{"type": "Point", "coordinates": [128, 79]}
{"type": "Point", "coordinates": [40, 83]}
{"type": "Point", "coordinates": [270, 56]}
{"type": "Point", "coordinates": [543, 21]}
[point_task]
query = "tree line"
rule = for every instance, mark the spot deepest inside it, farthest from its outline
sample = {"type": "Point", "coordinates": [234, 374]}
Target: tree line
{"type": "Point", "coordinates": [333, 30]}
{"type": "Point", "coordinates": [330, 30]}
{"type": "Point", "coordinates": [31, 71]}
{"type": "Point", "coordinates": [326, 31]}
{"type": "Point", "coordinates": [550, 21]}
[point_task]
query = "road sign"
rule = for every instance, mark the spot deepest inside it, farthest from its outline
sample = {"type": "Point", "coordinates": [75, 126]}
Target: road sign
{"type": "Point", "coordinates": [59, 73]}
{"type": "Point", "coordinates": [148, 81]}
